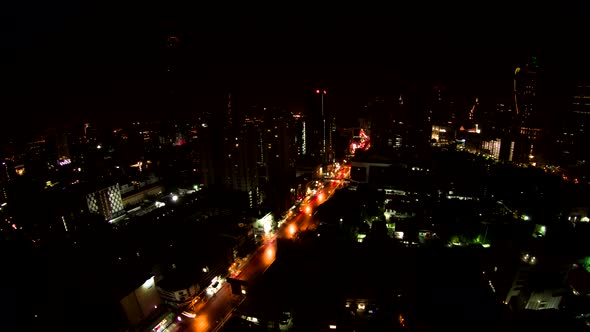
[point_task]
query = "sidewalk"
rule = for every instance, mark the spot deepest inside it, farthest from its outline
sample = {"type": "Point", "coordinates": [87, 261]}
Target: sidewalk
{"type": "Point", "coordinates": [158, 320]}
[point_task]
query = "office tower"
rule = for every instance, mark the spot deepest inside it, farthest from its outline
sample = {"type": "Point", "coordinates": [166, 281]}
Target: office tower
{"type": "Point", "coordinates": [7, 175]}
{"type": "Point", "coordinates": [528, 116]}
{"type": "Point", "coordinates": [280, 155]}
{"type": "Point", "coordinates": [106, 202]}
{"type": "Point", "coordinates": [525, 92]}
{"type": "Point", "coordinates": [396, 131]}
{"type": "Point", "coordinates": [319, 127]}
{"type": "Point", "coordinates": [276, 152]}
{"type": "Point", "coordinates": [173, 71]}
{"type": "Point", "coordinates": [415, 123]}
{"type": "Point", "coordinates": [228, 154]}
{"type": "Point", "coordinates": [241, 165]}
{"type": "Point", "coordinates": [499, 127]}
{"type": "Point", "coordinates": [574, 136]}
{"type": "Point", "coordinates": [300, 138]}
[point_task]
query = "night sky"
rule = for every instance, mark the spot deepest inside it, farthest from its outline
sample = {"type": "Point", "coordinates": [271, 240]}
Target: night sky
{"type": "Point", "coordinates": [71, 61]}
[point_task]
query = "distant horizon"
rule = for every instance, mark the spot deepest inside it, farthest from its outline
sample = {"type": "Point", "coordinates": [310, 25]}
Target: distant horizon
{"type": "Point", "coordinates": [74, 60]}
{"type": "Point", "coordinates": [124, 101]}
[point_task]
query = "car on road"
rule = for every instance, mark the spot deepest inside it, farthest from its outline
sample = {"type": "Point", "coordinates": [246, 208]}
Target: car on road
{"type": "Point", "coordinates": [238, 324]}
{"type": "Point", "coordinates": [189, 313]}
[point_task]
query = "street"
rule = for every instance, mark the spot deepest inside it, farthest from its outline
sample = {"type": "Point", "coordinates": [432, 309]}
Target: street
{"type": "Point", "coordinates": [217, 308]}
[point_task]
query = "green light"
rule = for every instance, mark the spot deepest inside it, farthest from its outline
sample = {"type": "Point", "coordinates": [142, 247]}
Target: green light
{"type": "Point", "coordinates": [534, 62]}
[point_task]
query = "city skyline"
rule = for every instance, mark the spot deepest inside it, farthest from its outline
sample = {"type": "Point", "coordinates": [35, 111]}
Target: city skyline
{"type": "Point", "coordinates": [92, 61]}
{"type": "Point", "coordinates": [171, 166]}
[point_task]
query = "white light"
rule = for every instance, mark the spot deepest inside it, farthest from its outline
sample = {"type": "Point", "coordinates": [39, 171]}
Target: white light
{"type": "Point", "coordinates": [267, 227]}
{"type": "Point", "coordinates": [332, 327]}
{"type": "Point", "coordinates": [148, 283]}
{"type": "Point", "coordinates": [174, 198]}
{"type": "Point", "coordinates": [189, 314]}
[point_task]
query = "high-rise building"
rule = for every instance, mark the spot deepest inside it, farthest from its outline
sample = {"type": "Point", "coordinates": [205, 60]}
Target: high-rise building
{"type": "Point", "coordinates": [300, 138]}
{"type": "Point", "coordinates": [528, 116]}
{"type": "Point", "coordinates": [413, 120]}
{"type": "Point", "coordinates": [228, 154]}
{"type": "Point", "coordinates": [241, 164]}
{"type": "Point", "coordinates": [319, 127]}
{"type": "Point", "coordinates": [498, 129]}
{"type": "Point", "coordinates": [6, 176]}
{"type": "Point", "coordinates": [525, 92]}
{"type": "Point", "coordinates": [276, 152]}
{"type": "Point", "coordinates": [106, 202]}
{"type": "Point", "coordinates": [574, 136]}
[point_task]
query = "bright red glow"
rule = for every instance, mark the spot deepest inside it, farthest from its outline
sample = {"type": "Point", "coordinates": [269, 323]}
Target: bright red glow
{"type": "Point", "coordinates": [317, 91]}
{"type": "Point", "coordinates": [364, 143]}
{"type": "Point", "coordinates": [324, 91]}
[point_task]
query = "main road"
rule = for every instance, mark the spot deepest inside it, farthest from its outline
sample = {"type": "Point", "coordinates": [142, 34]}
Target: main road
{"type": "Point", "coordinates": [214, 309]}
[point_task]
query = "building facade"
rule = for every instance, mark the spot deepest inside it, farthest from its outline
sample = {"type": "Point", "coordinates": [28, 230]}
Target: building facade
{"type": "Point", "coordinates": [106, 202]}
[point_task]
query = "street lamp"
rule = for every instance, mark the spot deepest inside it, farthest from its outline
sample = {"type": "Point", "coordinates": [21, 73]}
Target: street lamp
{"type": "Point", "coordinates": [292, 229]}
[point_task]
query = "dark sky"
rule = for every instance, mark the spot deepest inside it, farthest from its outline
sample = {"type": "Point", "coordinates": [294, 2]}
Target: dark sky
{"type": "Point", "coordinates": [70, 59]}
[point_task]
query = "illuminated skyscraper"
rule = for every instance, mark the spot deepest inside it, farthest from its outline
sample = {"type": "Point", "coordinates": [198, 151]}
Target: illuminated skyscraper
{"type": "Point", "coordinates": [6, 176]}
{"type": "Point", "coordinates": [276, 152]}
{"type": "Point", "coordinates": [319, 128]}
{"type": "Point", "coordinates": [524, 92]}
{"type": "Point", "coordinates": [526, 105]}
{"type": "Point", "coordinates": [299, 122]}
